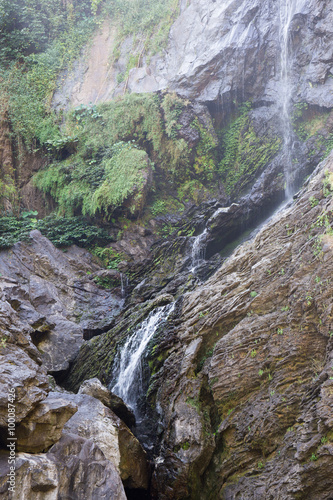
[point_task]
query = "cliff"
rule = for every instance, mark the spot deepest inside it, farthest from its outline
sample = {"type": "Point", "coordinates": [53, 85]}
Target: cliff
{"type": "Point", "coordinates": [186, 351]}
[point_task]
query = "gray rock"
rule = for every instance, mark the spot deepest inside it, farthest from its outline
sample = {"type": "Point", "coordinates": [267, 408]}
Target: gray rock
{"type": "Point", "coordinates": [43, 426]}
{"type": "Point", "coordinates": [52, 299]}
{"type": "Point", "coordinates": [74, 468]}
{"type": "Point", "coordinates": [20, 373]}
{"type": "Point", "coordinates": [93, 387]}
{"type": "Point", "coordinates": [95, 421]}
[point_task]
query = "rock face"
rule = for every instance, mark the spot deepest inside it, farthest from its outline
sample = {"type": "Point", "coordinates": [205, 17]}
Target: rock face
{"type": "Point", "coordinates": [76, 468]}
{"type": "Point", "coordinates": [43, 426]}
{"type": "Point", "coordinates": [246, 390]}
{"type": "Point", "coordinates": [219, 51]}
{"type": "Point", "coordinates": [94, 388]}
{"type": "Point", "coordinates": [49, 293]}
{"type": "Point", "coordinates": [223, 55]}
{"type": "Point", "coordinates": [96, 422]}
{"type": "Point", "coordinates": [237, 382]}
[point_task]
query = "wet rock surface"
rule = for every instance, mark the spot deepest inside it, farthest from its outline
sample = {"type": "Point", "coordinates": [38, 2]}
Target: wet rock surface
{"type": "Point", "coordinates": [94, 388]}
{"type": "Point", "coordinates": [244, 389]}
{"type": "Point", "coordinates": [239, 378]}
{"type": "Point", "coordinates": [216, 52]}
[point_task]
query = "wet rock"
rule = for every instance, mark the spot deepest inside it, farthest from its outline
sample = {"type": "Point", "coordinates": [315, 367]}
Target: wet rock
{"type": "Point", "coordinates": [216, 52]}
{"type": "Point", "coordinates": [94, 388]}
{"type": "Point", "coordinates": [244, 396]}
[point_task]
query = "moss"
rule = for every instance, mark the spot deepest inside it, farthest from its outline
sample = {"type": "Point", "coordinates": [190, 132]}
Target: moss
{"type": "Point", "coordinates": [244, 153]}
{"type": "Point", "coordinates": [91, 178]}
{"type": "Point", "coordinates": [206, 154]}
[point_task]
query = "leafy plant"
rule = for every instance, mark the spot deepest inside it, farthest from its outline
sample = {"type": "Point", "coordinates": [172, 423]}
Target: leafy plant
{"type": "Point", "coordinates": [62, 231]}
{"type": "Point", "coordinates": [108, 256]}
{"type": "Point", "coordinates": [243, 152]}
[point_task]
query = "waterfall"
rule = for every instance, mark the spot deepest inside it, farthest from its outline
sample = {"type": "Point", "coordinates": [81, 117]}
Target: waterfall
{"type": "Point", "coordinates": [124, 284]}
{"type": "Point", "coordinates": [128, 366]}
{"type": "Point", "coordinates": [198, 251]}
{"type": "Point", "coordinates": [287, 11]}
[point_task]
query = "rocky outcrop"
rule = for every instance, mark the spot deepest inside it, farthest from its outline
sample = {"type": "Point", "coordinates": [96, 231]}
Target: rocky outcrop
{"type": "Point", "coordinates": [74, 468]}
{"type": "Point", "coordinates": [51, 296]}
{"type": "Point", "coordinates": [43, 426]}
{"type": "Point", "coordinates": [94, 388]}
{"type": "Point", "coordinates": [245, 390]}
{"type": "Point", "coordinates": [95, 421]}
{"type": "Point", "coordinates": [216, 52]}
{"type": "Point", "coordinates": [20, 373]}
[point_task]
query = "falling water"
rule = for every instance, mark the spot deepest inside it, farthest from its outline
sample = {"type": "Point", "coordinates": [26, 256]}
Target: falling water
{"type": "Point", "coordinates": [124, 284]}
{"type": "Point", "coordinates": [287, 11]}
{"type": "Point", "coordinates": [198, 251]}
{"type": "Point", "coordinates": [128, 367]}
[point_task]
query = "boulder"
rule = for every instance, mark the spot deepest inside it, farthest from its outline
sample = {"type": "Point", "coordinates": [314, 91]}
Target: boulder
{"type": "Point", "coordinates": [74, 468]}
{"type": "Point", "coordinates": [43, 426]}
{"type": "Point", "coordinates": [98, 423]}
{"type": "Point", "coordinates": [29, 380]}
{"type": "Point", "coordinates": [93, 387]}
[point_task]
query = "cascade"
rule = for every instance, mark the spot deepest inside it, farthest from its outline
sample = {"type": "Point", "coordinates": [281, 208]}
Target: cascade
{"type": "Point", "coordinates": [124, 283]}
{"type": "Point", "coordinates": [287, 11]}
{"type": "Point", "coordinates": [128, 379]}
{"type": "Point", "coordinates": [198, 250]}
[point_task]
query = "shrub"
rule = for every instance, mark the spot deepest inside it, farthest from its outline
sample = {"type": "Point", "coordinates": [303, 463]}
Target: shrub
{"type": "Point", "coordinates": [61, 231]}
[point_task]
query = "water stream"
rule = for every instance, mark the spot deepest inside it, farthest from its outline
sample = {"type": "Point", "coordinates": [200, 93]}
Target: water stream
{"type": "Point", "coordinates": [128, 377]}
{"type": "Point", "coordinates": [198, 251]}
{"type": "Point", "coordinates": [287, 10]}
{"type": "Point", "coordinates": [124, 284]}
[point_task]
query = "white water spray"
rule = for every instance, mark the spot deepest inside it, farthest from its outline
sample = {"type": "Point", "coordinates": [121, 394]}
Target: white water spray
{"type": "Point", "coordinates": [124, 283]}
{"type": "Point", "coordinates": [198, 251]}
{"type": "Point", "coordinates": [287, 10]}
{"type": "Point", "coordinates": [128, 367]}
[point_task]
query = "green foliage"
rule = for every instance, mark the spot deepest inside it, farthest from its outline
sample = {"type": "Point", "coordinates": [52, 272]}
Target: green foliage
{"type": "Point", "coordinates": [61, 231]}
{"type": "Point", "coordinates": [307, 121]}
{"type": "Point", "coordinates": [328, 184]}
{"type": "Point", "coordinates": [39, 39]}
{"type": "Point", "coordinates": [29, 26]}
{"type": "Point", "coordinates": [124, 172]}
{"type": "Point", "coordinates": [148, 20]}
{"type": "Point", "coordinates": [244, 153]}
{"type": "Point", "coordinates": [98, 177]}
{"type": "Point", "coordinates": [313, 201]}
{"type": "Point", "coordinates": [193, 190]}
{"type": "Point", "coordinates": [108, 256]}
{"type": "Point", "coordinates": [159, 207]}
{"type": "Point", "coordinates": [172, 106]}
{"type": "Point", "coordinates": [205, 160]}
{"type": "Point", "coordinates": [92, 186]}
